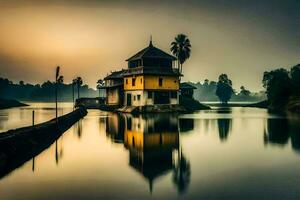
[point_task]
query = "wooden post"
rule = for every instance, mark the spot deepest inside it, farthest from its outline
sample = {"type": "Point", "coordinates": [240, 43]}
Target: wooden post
{"type": "Point", "coordinates": [33, 165]}
{"type": "Point", "coordinates": [33, 118]}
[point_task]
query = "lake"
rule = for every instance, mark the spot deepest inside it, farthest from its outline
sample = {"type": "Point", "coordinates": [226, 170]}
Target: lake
{"type": "Point", "coordinates": [223, 153]}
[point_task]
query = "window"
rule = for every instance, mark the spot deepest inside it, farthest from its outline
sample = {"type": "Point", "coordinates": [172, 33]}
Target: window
{"type": "Point", "coordinates": [138, 97]}
{"type": "Point", "coordinates": [126, 81]}
{"type": "Point", "coordinates": [133, 81]}
{"type": "Point", "coordinates": [141, 80]}
{"type": "Point", "coordinates": [150, 94]}
{"type": "Point", "coordinates": [133, 97]}
{"type": "Point", "coordinates": [160, 82]}
{"type": "Point", "coordinates": [174, 95]}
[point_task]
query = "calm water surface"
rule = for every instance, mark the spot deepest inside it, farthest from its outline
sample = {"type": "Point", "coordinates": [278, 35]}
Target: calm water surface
{"type": "Point", "coordinates": [238, 153]}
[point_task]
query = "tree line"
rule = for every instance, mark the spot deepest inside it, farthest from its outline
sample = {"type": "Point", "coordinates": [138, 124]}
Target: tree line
{"type": "Point", "coordinates": [223, 91]}
{"type": "Point", "coordinates": [46, 91]}
{"type": "Point", "coordinates": [282, 87]}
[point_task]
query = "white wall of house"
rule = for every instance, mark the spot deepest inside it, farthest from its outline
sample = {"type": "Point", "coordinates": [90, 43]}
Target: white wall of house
{"type": "Point", "coordinates": [140, 98]}
{"type": "Point", "coordinates": [174, 101]}
{"type": "Point", "coordinates": [112, 95]}
{"type": "Point", "coordinates": [137, 98]}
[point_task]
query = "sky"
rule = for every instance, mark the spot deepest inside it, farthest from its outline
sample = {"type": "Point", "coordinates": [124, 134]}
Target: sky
{"type": "Point", "coordinates": [92, 38]}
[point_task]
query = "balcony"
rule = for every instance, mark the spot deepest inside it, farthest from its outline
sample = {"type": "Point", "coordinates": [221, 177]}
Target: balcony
{"type": "Point", "coordinates": [153, 71]}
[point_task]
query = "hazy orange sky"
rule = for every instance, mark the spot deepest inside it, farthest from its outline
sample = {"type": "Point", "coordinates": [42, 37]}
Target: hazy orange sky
{"type": "Point", "coordinates": [91, 38]}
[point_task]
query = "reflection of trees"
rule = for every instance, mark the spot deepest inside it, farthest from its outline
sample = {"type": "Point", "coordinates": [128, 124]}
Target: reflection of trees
{"type": "Point", "coordinates": [58, 153]}
{"type": "Point", "coordinates": [186, 124]}
{"type": "Point", "coordinates": [182, 173]}
{"type": "Point", "coordinates": [295, 133]}
{"type": "Point", "coordinates": [79, 128]}
{"type": "Point", "coordinates": [224, 126]}
{"type": "Point", "coordinates": [277, 131]}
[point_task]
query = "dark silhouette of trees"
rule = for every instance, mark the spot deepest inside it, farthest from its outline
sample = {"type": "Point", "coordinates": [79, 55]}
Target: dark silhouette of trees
{"type": "Point", "coordinates": [73, 91]}
{"type": "Point", "coordinates": [58, 80]}
{"type": "Point", "coordinates": [244, 91]}
{"type": "Point", "coordinates": [206, 91]}
{"type": "Point", "coordinates": [278, 87]}
{"type": "Point", "coordinates": [282, 86]}
{"type": "Point", "coordinates": [79, 82]}
{"type": "Point", "coordinates": [224, 88]}
{"type": "Point", "coordinates": [41, 92]}
{"type": "Point", "coordinates": [100, 84]}
{"type": "Point", "coordinates": [181, 48]}
{"type": "Point", "coordinates": [295, 78]}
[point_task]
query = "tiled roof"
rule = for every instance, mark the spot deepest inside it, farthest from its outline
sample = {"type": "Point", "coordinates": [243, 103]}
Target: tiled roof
{"type": "Point", "coordinates": [151, 52]}
{"type": "Point", "coordinates": [115, 75]}
{"type": "Point", "coordinates": [186, 85]}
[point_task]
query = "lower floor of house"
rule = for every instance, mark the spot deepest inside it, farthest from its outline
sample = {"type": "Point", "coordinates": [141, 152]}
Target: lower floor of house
{"type": "Point", "coordinates": [150, 97]}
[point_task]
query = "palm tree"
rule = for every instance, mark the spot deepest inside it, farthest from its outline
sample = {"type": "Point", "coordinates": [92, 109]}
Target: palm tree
{"type": "Point", "coordinates": [100, 84]}
{"type": "Point", "coordinates": [79, 83]}
{"type": "Point", "coordinates": [58, 80]}
{"type": "Point", "coordinates": [181, 48]}
{"type": "Point", "coordinates": [73, 90]}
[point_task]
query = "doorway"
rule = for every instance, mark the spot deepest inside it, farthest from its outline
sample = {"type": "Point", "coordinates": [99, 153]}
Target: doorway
{"type": "Point", "coordinates": [128, 97]}
{"type": "Point", "coordinates": [161, 98]}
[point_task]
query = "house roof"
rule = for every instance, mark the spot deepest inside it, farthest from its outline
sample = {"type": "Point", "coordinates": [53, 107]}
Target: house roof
{"type": "Point", "coordinates": [151, 52]}
{"type": "Point", "coordinates": [115, 75]}
{"type": "Point", "coordinates": [186, 85]}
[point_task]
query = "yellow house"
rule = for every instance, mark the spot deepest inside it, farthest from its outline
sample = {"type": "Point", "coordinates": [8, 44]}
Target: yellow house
{"type": "Point", "coordinates": [151, 79]}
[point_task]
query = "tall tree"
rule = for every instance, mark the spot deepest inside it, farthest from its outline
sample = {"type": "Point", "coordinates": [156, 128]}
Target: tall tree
{"type": "Point", "coordinates": [295, 78]}
{"type": "Point", "coordinates": [181, 48]}
{"type": "Point", "coordinates": [224, 88]}
{"type": "Point", "coordinates": [79, 82]}
{"type": "Point", "coordinates": [100, 84]}
{"type": "Point", "coordinates": [244, 91]}
{"type": "Point", "coordinates": [278, 87]}
{"type": "Point", "coordinates": [73, 90]}
{"type": "Point", "coordinates": [58, 80]}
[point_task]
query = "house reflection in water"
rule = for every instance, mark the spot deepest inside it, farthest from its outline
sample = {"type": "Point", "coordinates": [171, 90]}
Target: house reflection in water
{"type": "Point", "coordinates": [115, 126]}
{"type": "Point", "coordinates": [153, 145]}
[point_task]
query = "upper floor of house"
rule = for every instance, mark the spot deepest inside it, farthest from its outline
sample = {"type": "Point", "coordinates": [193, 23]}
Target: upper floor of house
{"type": "Point", "coordinates": [151, 59]}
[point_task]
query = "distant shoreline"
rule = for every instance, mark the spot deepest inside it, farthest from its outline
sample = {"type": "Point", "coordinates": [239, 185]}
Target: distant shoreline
{"type": "Point", "coordinates": [237, 104]}
{"type": "Point", "coordinates": [10, 103]}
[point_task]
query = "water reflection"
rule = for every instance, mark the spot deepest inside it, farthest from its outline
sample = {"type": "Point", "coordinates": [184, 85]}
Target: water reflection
{"type": "Point", "coordinates": [182, 173]}
{"type": "Point", "coordinates": [115, 127]}
{"type": "Point", "coordinates": [186, 125]}
{"type": "Point", "coordinates": [153, 145]}
{"type": "Point", "coordinates": [78, 128]}
{"type": "Point", "coordinates": [279, 131]}
{"type": "Point", "coordinates": [198, 156]}
{"type": "Point", "coordinates": [224, 126]}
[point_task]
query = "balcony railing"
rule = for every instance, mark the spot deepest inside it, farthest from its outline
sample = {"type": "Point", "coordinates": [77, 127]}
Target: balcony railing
{"type": "Point", "coordinates": [152, 70]}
